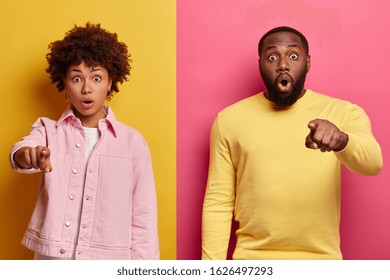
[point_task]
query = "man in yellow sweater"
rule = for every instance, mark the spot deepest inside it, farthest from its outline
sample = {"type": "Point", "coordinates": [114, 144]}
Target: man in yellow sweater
{"type": "Point", "coordinates": [275, 162]}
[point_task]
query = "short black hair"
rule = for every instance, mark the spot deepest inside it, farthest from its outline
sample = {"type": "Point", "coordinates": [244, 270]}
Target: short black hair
{"type": "Point", "coordinates": [283, 29]}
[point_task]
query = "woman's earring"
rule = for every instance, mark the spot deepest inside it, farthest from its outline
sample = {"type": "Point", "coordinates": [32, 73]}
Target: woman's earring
{"type": "Point", "coordinates": [66, 96]}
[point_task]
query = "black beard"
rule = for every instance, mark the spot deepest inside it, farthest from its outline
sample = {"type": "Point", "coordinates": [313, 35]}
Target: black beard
{"type": "Point", "coordinates": [283, 99]}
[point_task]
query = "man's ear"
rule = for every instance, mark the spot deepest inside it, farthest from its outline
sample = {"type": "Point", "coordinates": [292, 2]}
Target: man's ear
{"type": "Point", "coordinates": [308, 63]}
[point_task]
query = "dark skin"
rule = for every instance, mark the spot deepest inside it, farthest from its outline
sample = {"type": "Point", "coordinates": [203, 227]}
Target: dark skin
{"type": "Point", "coordinates": [282, 61]}
{"type": "Point", "coordinates": [325, 136]}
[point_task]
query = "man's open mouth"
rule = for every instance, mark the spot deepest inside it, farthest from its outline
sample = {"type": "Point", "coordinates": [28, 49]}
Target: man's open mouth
{"type": "Point", "coordinates": [284, 83]}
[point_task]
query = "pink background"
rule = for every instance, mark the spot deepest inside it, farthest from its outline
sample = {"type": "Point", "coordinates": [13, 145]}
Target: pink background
{"type": "Point", "coordinates": [217, 66]}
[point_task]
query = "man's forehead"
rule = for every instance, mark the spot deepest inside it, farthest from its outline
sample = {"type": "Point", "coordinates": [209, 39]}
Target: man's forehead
{"type": "Point", "coordinates": [283, 38]}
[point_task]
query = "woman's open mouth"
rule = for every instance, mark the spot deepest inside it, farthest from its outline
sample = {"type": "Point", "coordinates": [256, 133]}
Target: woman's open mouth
{"type": "Point", "coordinates": [87, 104]}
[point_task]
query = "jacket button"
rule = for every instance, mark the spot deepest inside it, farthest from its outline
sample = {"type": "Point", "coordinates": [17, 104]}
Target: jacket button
{"type": "Point", "coordinates": [67, 223]}
{"type": "Point", "coordinates": [71, 197]}
{"type": "Point", "coordinates": [78, 145]}
{"type": "Point", "coordinates": [74, 171]}
{"type": "Point", "coordinates": [63, 251]}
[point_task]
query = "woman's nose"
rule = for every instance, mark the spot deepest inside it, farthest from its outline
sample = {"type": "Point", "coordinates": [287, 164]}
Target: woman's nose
{"type": "Point", "coordinates": [87, 88]}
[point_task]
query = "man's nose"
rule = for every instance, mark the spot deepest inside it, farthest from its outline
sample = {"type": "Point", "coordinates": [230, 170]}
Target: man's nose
{"type": "Point", "coordinates": [283, 65]}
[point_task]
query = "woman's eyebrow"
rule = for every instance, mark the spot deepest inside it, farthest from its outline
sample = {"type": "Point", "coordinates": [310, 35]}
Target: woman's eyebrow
{"type": "Point", "coordinates": [75, 70]}
{"type": "Point", "coordinates": [97, 68]}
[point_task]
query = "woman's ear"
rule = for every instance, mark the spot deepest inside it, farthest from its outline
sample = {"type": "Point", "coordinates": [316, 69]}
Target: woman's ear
{"type": "Point", "coordinates": [109, 92]}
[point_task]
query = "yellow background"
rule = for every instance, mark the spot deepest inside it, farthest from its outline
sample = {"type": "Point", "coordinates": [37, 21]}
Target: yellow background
{"type": "Point", "coordinates": [146, 102]}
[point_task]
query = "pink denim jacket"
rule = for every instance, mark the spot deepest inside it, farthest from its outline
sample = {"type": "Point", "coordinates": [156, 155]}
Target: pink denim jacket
{"type": "Point", "coordinates": [119, 212]}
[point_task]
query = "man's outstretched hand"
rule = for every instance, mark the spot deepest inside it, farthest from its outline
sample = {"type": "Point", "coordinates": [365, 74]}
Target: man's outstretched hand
{"type": "Point", "coordinates": [325, 136]}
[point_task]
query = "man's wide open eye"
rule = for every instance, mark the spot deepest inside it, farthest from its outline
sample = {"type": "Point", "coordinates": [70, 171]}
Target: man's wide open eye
{"type": "Point", "coordinates": [293, 56]}
{"type": "Point", "coordinates": [272, 57]}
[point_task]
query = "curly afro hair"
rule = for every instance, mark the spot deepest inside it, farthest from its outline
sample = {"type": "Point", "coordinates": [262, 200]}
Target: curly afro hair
{"type": "Point", "coordinates": [93, 45]}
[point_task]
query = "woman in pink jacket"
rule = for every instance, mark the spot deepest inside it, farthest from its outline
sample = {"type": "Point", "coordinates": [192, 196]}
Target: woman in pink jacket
{"type": "Point", "coordinates": [97, 197]}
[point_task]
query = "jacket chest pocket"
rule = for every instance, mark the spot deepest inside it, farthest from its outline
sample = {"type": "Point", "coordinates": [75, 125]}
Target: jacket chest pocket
{"type": "Point", "coordinates": [113, 208]}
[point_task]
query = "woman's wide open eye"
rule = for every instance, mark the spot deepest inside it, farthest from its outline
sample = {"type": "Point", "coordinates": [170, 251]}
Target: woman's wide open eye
{"type": "Point", "coordinates": [97, 78]}
{"type": "Point", "coordinates": [76, 79]}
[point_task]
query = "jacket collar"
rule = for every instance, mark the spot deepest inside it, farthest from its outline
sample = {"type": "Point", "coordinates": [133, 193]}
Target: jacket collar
{"type": "Point", "coordinates": [110, 119]}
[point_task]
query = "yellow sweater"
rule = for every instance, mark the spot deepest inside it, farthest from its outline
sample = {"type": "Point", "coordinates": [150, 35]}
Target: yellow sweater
{"type": "Point", "coordinates": [285, 196]}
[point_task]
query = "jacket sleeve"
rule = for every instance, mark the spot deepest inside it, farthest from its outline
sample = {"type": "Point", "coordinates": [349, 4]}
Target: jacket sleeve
{"type": "Point", "coordinates": [37, 137]}
{"type": "Point", "coordinates": [145, 245]}
{"type": "Point", "coordinates": [362, 154]}
{"type": "Point", "coordinates": [219, 198]}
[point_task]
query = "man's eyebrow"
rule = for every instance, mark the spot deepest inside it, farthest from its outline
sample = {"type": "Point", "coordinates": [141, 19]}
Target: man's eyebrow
{"type": "Point", "coordinates": [294, 46]}
{"type": "Point", "coordinates": [270, 47]}
{"type": "Point", "coordinates": [289, 46]}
